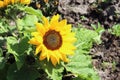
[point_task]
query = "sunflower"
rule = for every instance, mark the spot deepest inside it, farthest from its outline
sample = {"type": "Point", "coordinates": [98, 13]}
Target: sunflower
{"type": "Point", "coordinates": [54, 40]}
{"type": "Point", "coordinates": [4, 3]}
{"type": "Point", "coordinates": [1, 3]}
{"type": "Point", "coordinates": [25, 1]}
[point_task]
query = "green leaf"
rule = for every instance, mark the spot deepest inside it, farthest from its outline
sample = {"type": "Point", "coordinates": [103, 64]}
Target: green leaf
{"type": "Point", "coordinates": [18, 49]}
{"type": "Point", "coordinates": [2, 62]}
{"type": "Point", "coordinates": [1, 53]}
{"type": "Point", "coordinates": [10, 42]}
{"type": "Point", "coordinates": [116, 30]}
{"type": "Point", "coordinates": [3, 73]}
{"type": "Point", "coordinates": [30, 20]}
{"type": "Point", "coordinates": [54, 72]}
{"type": "Point", "coordinates": [23, 45]}
{"type": "Point", "coordinates": [32, 11]}
{"type": "Point", "coordinates": [81, 65]}
{"type": "Point", "coordinates": [79, 61]}
{"type": "Point", "coordinates": [20, 24]}
{"type": "Point", "coordinates": [27, 22]}
{"type": "Point", "coordinates": [25, 73]}
{"type": "Point", "coordinates": [98, 28]}
{"type": "Point", "coordinates": [2, 41]}
{"type": "Point", "coordinates": [3, 28]}
{"type": "Point", "coordinates": [19, 61]}
{"type": "Point", "coordinates": [85, 39]}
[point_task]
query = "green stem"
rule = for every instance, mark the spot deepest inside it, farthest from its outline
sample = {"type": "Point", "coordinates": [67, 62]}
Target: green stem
{"type": "Point", "coordinates": [14, 19]}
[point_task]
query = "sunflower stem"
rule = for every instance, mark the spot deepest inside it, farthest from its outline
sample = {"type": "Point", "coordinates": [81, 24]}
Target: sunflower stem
{"type": "Point", "coordinates": [14, 19]}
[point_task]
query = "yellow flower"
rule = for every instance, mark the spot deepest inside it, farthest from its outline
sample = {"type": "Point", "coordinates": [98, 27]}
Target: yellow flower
{"type": "Point", "coordinates": [14, 1]}
{"type": "Point", "coordinates": [25, 1]}
{"type": "Point", "coordinates": [54, 40]}
{"type": "Point", "coordinates": [6, 2]}
{"type": "Point", "coordinates": [1, 4]}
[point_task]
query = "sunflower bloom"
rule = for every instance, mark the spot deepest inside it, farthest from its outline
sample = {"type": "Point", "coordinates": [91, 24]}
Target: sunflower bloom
{"type": "Point", "coordinates": [54, 40]}
{"type": "Point", "coordinates": [25, 1]}
{"type": "Point", "coordinates": [1, 4]}
{"type": "Point", "coordinates": [4, 3]}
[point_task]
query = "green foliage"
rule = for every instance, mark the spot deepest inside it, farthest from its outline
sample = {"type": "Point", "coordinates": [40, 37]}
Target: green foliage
{"type": "Point", "coordinates": [116, 30]}
{"type": "Point", "coordinates": [86, 38]}
{"type": "Point", "coordinates": [15, 30]}
{"type": "Point", "coordinates": [32, 11]}
{"type": "Point", "coordinates": [18, 47]}
{"type": "Point", "coordinates": [5, 27]}
{"type": "Point", "coordinates": [25, 73]}
{"type": "Point", "coordinates": [2, 62]}
{"type": "Point", "coordinates": [3, 73]}
{"type": "Point", "coordinates": [27, 24]}
{"type": "Point", "coordinates": [53, 72]}
{"type": "Point", "coordinates": [14, 36]}
{"type": "Point", "coordinates": [81, 66]}
{"type": "Point", "coordinates": [2, 59]}
{"type": "Point", "coordinates": [99, 28]}
{"type": "Point", "coordinates": [81, 62]}
{"type": "Point", "coordinates": [2, 42]}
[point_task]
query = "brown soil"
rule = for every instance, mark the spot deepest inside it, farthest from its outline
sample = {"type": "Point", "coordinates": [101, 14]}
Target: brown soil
{"type": "Point", "coordinates": [106, 56]}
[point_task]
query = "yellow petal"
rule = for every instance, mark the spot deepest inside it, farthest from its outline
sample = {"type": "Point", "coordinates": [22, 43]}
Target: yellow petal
{"type": "Point", "coordinates": [62, 23]}
{"type": "Point", "coordinates": [54, 22]}
{"type": "Point", "coordinates": [56, 55]}
{"type": "Point", "coordinates": [64, 58]}
{"type": "Point", "coordinates": [34, 41]}
{"type": "Point", "coordinates": [69, 38]}
{"type": "Point", "coordinates": [38, 49]}
{"type": "Point", "coordinates": [55, 18]}
{"type": "Point", "coordinates": [6, 2]}
{"type": "Point", "coordinates": [25, 1]}
{"type": "Point", "coordinates": [68, 27]}
{"type": "Point", "coordinates": [66, 51]}
{"type": "Point", "coordinates": [66, 30]}
{"type": "Point", "coordinates": [53, 60]}
{"type": "Point", "coordinates": [13, 1]}
{"type": "Point", "coordinates": [46, 52]}
{"type": "Point", "coordinates": [46, 23]}
{"type": "Point", "coordinates": [40, 28]}
{"type": "Point", "coordinates": [43, 55]}
{"type": "Point", "coordinates": [48, 55]}
{"type": "Point", "coordinates": [36, 34]}
{"type": "Point", "coordinates": [68, 46]}
{"type": "Point", "coordinates": [1, 4]}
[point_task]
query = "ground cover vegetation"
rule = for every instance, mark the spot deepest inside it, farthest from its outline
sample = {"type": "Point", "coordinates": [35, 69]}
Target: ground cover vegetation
{"type": "Point", "coordinates": [59, 40]}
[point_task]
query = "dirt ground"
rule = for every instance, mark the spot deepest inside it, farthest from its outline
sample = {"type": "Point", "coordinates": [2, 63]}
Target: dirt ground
{"type": "Point", "coordinates": [106, 56]}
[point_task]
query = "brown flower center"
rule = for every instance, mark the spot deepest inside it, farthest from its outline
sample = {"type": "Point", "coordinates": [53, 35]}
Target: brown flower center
{"type": "Point", "coordinates": [52, 40]}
